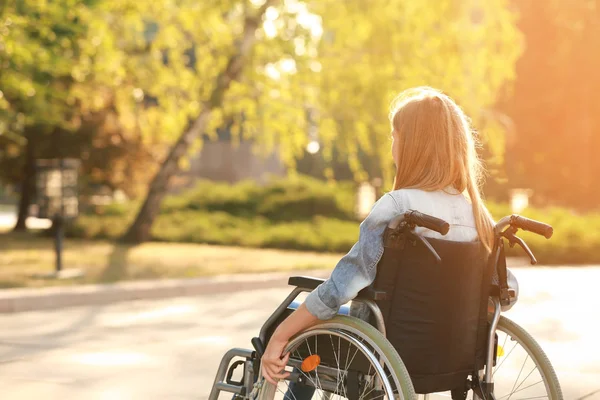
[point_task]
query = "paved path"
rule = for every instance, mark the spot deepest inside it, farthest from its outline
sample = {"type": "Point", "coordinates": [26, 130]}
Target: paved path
{"type": "Point", "coordinates": [169, 349]}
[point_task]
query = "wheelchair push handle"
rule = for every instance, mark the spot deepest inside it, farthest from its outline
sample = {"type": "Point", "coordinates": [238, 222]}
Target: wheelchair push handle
{"type": "Point", "coordinates": [427, 221]}
{"type": "Point", "coordinates": [534, 226]}
{"type": "Point", "coordinates": [526, 224]}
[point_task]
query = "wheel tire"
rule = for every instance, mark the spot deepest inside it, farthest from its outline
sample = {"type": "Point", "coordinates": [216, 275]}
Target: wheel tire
{"type": "Point", "coordinates": [537, 354]}
{"type": "Point", "coordinates": [364, 330]}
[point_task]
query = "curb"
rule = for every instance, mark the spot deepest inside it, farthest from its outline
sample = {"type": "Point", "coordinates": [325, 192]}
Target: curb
{"type": "Point", "coordinates": [22, 300]}
{"type": "Point", "coordinates": [30, 299]}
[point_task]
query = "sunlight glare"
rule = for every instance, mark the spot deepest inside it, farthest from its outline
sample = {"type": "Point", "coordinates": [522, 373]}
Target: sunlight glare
{"type": "Point", "coordinates": [288, 65]}
{"type": "Point", "coordinates": [272, 71]}
{"type": "Point", "coordinates": [313, 147]}
{"type": "Point", "coordinates": [108, 359]}
{"type": "Point", "coordinates": [151, 315]}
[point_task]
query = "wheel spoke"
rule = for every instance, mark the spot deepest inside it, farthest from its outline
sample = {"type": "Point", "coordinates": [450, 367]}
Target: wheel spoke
{"type": "Point", "coordinates": [344, 373]}
{"type": "Point", "coordinates": [302, 372]}
{"type": "Point", "coordinates": [523, 381]}
{"type": "Point", "coordinates": [339, 373]}
{"type": "Point", "coordinates": [365, 388]}
{"type": "Point", "coordinates": [518, 376]}
{"type": "Point", "coordinates": [329, 377]}
{"type": "Point", "coordinates": [288, 391]}
{"type": "Point", "coordinates": [353, 356]}
{"type": "Point", "coordinates": [503, 347]}
{"type": "Point", "coordinates": [505, 358]}
{"type": "Point", "coordinates": [284, 393]}
{"type": "Point", "coordinates": [520, 390]}
{"type": "Point", "coordinates": [317, 368]}
{"type": "Point", "coordinates": [362, 396]}
{"type": "Point", "coordinates": [337, 362]}
{"type": "Point", "coordinates": [526, 385]}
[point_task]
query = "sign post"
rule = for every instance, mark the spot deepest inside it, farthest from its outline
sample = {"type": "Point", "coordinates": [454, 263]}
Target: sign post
{"type": "Point", "coordinates": [57, 197]}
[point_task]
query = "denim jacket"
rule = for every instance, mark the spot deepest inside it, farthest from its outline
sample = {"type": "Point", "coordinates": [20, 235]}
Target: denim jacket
{"type": "Point", "coordinates": [357, 269]}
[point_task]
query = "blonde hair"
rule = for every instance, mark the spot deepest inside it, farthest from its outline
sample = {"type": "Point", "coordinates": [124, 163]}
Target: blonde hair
{"type": "Point", "coordinates": [436, 149]}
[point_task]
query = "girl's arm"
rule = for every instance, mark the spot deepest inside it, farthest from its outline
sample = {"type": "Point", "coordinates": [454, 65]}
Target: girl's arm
{"type": "Point", "coordinates": [355, 271]}
{"type": "Point", "coordinates": [272, 362]}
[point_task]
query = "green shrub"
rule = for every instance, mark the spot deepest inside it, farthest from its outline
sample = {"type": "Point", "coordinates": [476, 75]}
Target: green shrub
{"type": "Point", "coordinates": [240, 199]}
{"type": "Point", "coordinates": [98, 227]}
{"type": "Point", "coordinates": [290, 199]}
{"type": "Point", "coordinates": [576, 238]}
{"type": "Point", "coordinates": [307, 214]}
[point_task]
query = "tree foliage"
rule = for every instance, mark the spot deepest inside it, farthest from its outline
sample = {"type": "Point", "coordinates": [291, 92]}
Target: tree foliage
{"type": "Point", "coordinates": [51, 99]}
{"type": "Point", "coordinates": [370, 52]}
{"type": "Point", "coordinates": [554, 106]}
{"type": "Point", "coordinates": [345, 61]}
{"type": "Point", "coordinates": [167, 73]}
{"type": "Point", "coordinates": [40, 49]}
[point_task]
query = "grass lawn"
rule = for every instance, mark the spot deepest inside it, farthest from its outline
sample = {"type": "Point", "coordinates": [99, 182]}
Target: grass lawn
{"type": "Point", "coordinates": [8, 208]}
{"type": "Point", "coordinates": [22, 256]}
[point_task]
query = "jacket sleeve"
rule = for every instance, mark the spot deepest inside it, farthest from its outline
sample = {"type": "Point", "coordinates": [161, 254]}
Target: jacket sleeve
{"type": "Point", "coordinates": [357, 269]}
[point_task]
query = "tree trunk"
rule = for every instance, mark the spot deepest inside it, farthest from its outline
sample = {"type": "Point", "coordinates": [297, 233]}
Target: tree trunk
{"type": "Point", "coordinates": [139, 231]}
{"type": "Point", "coordinates": [27, 187]}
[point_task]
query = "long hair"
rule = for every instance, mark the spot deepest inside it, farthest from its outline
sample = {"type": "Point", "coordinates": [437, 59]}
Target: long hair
{"type": "Point", "coordinates": [436, 149]}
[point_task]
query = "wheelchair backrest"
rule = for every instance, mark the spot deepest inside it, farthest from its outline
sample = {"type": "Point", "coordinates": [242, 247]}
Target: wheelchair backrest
{"type": "Point", "coordinates": [435, 312]}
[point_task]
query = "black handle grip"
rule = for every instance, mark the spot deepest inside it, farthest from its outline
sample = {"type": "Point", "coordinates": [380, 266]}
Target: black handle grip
{"type": "Point", "coordinates": [532, 226]}
{"type": "Point", "coordinates": [429, 222]}
{"type": "Point", "coordinates": [258, 346]}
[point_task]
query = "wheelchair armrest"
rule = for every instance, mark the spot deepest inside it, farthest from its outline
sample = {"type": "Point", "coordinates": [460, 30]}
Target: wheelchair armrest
{"type": "Point", "coordinates": [311, 283]}
{"type": "Point", "coordinates": [305, 282]}
{"type": "Point", "coordinates": [369, 293]}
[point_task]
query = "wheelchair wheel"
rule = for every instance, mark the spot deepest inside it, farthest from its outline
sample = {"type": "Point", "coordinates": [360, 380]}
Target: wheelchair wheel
{"type": "Point", "coordinates": [342, 358]}
{"type": "Point", "coordinates": [522, 369]}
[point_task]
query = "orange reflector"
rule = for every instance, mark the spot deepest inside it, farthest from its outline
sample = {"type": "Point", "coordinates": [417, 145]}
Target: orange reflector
{"type": "Point", "coordinates": [310, 363]}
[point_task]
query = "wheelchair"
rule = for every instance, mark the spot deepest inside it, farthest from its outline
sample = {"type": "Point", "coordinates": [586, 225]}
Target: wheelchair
{"type": "Point", "coordinates": [430, 323]}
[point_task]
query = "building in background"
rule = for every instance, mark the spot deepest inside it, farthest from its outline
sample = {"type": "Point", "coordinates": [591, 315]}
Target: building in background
{"type": "Point", "coordinates": [225, 161]}
{"type": "Point", "coordinates": [221, 160]}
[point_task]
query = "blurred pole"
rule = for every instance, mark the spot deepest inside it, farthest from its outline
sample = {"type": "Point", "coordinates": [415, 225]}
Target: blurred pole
{"type": "Point", "coordinates": [59, 233]}
{"type": "Point", "coordinates": [27, 185]}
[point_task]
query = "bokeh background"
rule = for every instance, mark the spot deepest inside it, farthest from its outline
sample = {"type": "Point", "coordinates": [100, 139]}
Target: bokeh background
{"type": "Point", "coordinates": [263, 124]}
{"type": "Point", "coordinates": [221, 145]}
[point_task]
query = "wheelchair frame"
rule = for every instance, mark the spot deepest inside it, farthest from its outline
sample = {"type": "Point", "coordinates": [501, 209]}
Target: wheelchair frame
{"type": "Point", "coordinates": [223, 383]}
{"type": "Point", "coordinates": [411, 219]}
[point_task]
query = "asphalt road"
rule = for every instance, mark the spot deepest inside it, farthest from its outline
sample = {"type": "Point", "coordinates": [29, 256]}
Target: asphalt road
{"type": "Point", "coordinates": [170, 349]}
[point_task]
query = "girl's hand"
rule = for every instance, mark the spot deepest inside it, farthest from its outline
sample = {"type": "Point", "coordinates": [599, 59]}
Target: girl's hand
{"type": "Point", "coordinates": [272, 361]}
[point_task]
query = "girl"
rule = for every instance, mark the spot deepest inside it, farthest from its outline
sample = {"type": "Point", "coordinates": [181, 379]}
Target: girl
{"type": "Point", "coordinates": [438, 173]}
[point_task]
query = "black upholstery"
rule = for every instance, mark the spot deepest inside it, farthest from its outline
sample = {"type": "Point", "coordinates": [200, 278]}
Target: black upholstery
{"type": "Point", "coordinates": [436, 313]}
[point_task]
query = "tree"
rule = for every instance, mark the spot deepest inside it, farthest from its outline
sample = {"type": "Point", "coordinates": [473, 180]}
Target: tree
{"type": "Point", "coordinates": [554, 106]}
{"type": "Point", "coordinates": [140, 229]}
{"type": "Point", "coordinates": [59, 98]}
{"type": "Point", "coordinates": [173, 72]}
{"type": "Point", "coordinates": [38, 49]}
{"type": "Point", "coordinates": [370, 52]}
